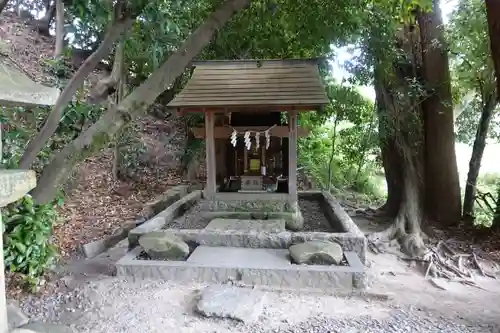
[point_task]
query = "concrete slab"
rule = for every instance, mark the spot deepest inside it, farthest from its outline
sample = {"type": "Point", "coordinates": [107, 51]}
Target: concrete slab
{"type": "Point", "coordinates": [276, 225]}
{"type": "Point", "coordinates": [240, 257]}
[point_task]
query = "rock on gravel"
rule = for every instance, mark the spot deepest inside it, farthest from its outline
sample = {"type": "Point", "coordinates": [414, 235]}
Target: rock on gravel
{"type": "Point", "coordinates": [224, 301]}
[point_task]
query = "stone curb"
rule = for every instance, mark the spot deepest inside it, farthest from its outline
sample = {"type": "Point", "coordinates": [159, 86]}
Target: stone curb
{"type": "Point", "coordinates": [166, 216]}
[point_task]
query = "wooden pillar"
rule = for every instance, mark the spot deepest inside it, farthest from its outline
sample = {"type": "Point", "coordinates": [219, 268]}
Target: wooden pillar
{"type": "Point", "coordinates": [292, 155]}
{"type": "Point", "coordinates": [284, 156]}
{"type": "Point", "coordinates": [210, 155]}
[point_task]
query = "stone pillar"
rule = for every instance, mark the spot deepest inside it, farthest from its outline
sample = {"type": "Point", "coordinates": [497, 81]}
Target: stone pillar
{"type": "Point", "coordinates": [210, 154]}
{"type": "Point", "coordinates": [292, 156]}
{"type": "Point", "coordinates": [14, 184]}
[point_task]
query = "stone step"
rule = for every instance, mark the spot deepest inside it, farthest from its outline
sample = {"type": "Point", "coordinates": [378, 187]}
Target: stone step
{"type": "Point", "coordinates": [274, 225]}
{"type": "Point", "coordinates": [240, 257]}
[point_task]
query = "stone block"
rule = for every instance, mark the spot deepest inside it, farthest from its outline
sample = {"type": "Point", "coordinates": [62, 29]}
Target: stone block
{"type": "Point", "coordinates": [247, 225]}
{"type": "Point", "coordinates": [241, 304]}
{"type": "Point", "coordinates": [163, 201]}
{"type": "Point", "coordinates": [317, 253]}
{"type": "Point", "coordinates": [95, 248]}
{"type": "Point", "coordinates": [47, 328]}
{"type": "Point", "coordinates": [164, 217]}
{"type": "Point", "coordinates": [164, 246]}
{"type": "Point", "coordinates": [15, 317]}
{"type": "Point", "coordinates": [252, 239]}
{"type": "Point", "coordinates": [14, 184]}
{"type": "Point", "coordinates": [16, 89]}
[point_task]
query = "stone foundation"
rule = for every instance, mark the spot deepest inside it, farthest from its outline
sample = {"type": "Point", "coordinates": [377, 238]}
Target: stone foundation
{"type": "Point", "coordinates": [330, 278]}
{"type": "Point", "coordinates": [253, 209]}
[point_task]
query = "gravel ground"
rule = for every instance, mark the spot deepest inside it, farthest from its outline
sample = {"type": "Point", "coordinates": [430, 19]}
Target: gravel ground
{"type": "Point", "coordinates": [116, 306]}
{"type": "Point", "coordinates": [314, 218]}
{"type": "Point", "coordinates": [190, 220]}
{"type": "Point", "coordinates": [399, 322]}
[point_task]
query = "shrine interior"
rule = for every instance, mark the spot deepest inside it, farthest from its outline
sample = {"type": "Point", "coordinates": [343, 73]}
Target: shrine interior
{"type": "Point", "coordinates": [259, 168]}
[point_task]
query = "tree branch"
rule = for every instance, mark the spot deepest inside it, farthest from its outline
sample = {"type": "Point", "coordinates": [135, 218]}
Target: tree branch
{"type": "Point", "coordinates": [120, 23]}
{"type": "Point", "coordinates": [144, 95]}
{"type": "Point", "coordinates": [107, 86]}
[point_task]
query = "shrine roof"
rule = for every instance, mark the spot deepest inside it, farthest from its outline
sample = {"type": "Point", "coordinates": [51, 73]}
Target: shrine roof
{"type": "Point", "coordinates": [268, 85]}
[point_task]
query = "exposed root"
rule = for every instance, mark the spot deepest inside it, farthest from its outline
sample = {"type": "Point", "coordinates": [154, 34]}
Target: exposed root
{"type": "Point", "coordinates": [411, 242]}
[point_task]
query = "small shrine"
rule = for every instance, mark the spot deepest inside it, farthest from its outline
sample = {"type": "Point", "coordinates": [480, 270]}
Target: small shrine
{"type": "Point", "coordinates": [251, 131]}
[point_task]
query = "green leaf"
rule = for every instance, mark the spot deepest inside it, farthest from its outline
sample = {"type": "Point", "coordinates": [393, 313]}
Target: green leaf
{"type": "Point", "coordinates": [21, 247]}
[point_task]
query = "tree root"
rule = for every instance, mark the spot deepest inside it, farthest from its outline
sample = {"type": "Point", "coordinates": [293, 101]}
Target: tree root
{"type": "Point", "coordinates": [412, 244]}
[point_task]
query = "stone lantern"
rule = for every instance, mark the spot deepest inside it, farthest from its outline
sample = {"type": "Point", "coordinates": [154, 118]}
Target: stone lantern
{"type": "Point", "coordinates": [16, 89]}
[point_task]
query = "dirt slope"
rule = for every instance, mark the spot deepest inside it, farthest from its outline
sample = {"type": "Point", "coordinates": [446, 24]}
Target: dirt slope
{"type": "Point", "coordinates": [98, 204]}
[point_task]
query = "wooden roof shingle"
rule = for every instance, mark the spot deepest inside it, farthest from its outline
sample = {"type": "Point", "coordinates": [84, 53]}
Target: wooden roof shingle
{"type": "Point", "coordinates": [266, 84]}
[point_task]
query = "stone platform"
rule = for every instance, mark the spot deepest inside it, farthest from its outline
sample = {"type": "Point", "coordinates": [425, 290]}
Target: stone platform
{"type": "Point", "coordinates": [223, 264]}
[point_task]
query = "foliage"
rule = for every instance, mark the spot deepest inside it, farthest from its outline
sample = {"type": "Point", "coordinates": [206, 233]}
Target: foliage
{"type": "Point", "coordinates": [354, 144]}
{"type": "Point", "coordinates": [488, 186]}
{"type": "Point", "coordinates": [129, 149]}
{"type": "Point", "coordinates": [472, 66]}
{"type": "Point", "coordinates": [27, 239]}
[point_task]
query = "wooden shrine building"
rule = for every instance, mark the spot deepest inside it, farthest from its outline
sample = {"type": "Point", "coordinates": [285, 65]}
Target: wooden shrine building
{"type": "Point", "coordinates": [251, 131]}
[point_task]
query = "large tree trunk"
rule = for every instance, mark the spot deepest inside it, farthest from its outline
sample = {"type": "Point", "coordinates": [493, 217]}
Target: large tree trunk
{"type": "Point", "coordinates": [441, 173]}
{"type": "Point", "coordinates": [143, 96]}
{"type": "Point", "coordinates": [3, 4]}
{"type": "Point", "coordinates": [477, 156]}
{"type": "Point", "coordinates": [119, 25]}
{"type": "Point", "coordinates": [401, 139]}
{"type": "Point", "coordinates": [403, 166]}
{"type": "Point", "coordinates": [493, 11]}
{"type": "Point", "coordinates": [59, 28]}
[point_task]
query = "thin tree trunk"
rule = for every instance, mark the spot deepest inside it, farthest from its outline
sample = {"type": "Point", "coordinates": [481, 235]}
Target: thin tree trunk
{"type": "Point", "coordinates": [477, 156]}
{"type": "Point", "coordinates": [59, 28]}
{"type": "Point", "coordinates": [441, 172]}
{"type": "Point", "coordinates": [493, 12]}
{"type": "Point", "coordinates": [118, 26]}
{"type": "Point", "coordinates": [143, 96]}
{"type": "Point", "coordinates": [496, 217]}
{"type": "Point", "coordinates": [117, 79]}
{"type": "Point", "coordinates": [362, 155]}
{"type": "Point", "coordinates": [43, 25]}
{"type": "Point", "coordinates": [3, 4]}
{"type": "Point", "coordinates": [332, 155]}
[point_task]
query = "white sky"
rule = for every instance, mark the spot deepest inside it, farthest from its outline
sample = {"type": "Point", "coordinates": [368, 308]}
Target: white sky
{"type": "Point", "coordinates": [343, 54]}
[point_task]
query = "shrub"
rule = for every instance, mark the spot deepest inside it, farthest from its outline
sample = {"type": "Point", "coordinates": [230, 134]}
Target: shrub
{"type": "Point", "coordinates": [27, 239]}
